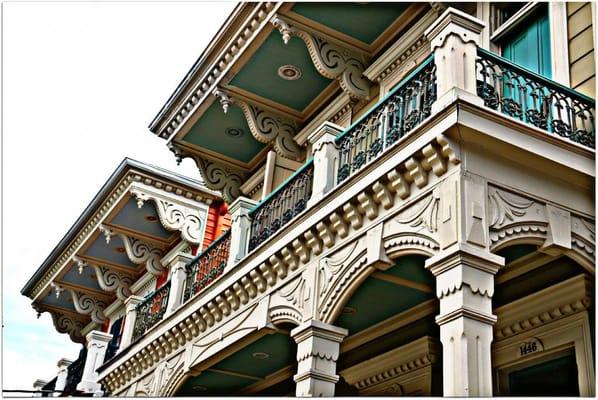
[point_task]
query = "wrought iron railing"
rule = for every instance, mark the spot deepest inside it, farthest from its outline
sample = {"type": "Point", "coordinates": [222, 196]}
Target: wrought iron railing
{"type": "Point", "coordinates": [282, 205]}
{"type": "Point", "coordinates": [207, 266]}
{"type": "Point", "coordinates": [533, 99]}
{"type": "Point", "coordinates": [48, 389]}
{"type": "Point", "coordinates": [151, 311]}
{"type": "Point", "coordinates": [390, 120]}
{"type": "Point", "coordinates": [75, 373]}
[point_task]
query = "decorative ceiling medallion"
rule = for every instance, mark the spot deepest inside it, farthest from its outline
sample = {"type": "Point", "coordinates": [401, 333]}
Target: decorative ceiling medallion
{"type": "Point", "coordinates": [234, 132]}
{"type": "Point", "coordinates": [349, 311]}
{"type": "Point", "coordinates": [151, 218]}
{"type": "Point", "coordinates": [260, 355]}
{"type": "Point", "coordinates": [289, 72]}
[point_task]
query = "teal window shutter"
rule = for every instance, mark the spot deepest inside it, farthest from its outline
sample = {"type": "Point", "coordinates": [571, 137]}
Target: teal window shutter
{"type": "Point", "coordinates": [529, 46]}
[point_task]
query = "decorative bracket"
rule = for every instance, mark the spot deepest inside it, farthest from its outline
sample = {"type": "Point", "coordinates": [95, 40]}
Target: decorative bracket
{"type": "Point", "coordinates": [87, 305]}
{"type": "Point", "coordinates": [108, 279]}
{"type": "Point", "coordinates": [138, 251]}
{"type": "Point", "coordinates": [64, 323]}
{"type": "Point", "coordinates": [265, 126]}
{"type": "Point", "coordinates": [332, 60]}
{"type": "Point", "coordinates": [216, 176]}
{"type": "Point", "coordinates": [174, 215]}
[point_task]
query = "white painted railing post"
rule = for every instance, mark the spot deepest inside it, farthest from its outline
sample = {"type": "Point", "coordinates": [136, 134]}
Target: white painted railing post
{"type": "Point", "coordinates": [465, 286]}
{"type": "Point", "coordinates": [325, 154]}
{"type": "Point", "coordinates": [97, 344]}
{"type": "Point", "coordinates": [318, 348]}
{"type": "Point", "coordinates": [454, 38]}
{"type": "Point", "coordinates": [39, 384]}
{"type": "Point", "coordinates": [240, 229]}
{"type": "Point", "coordinates": [61, 376]}
{"type": "Point", "coordinates": [178, 276]}
{"type": "Point", "coordinates": [130, 318]}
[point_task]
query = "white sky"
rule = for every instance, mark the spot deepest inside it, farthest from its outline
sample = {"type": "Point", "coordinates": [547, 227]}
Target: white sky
{"type": "Point", "coordinates": [81, 82]}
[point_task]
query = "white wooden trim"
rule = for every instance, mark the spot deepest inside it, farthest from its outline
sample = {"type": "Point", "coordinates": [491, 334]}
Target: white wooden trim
{"type": "Point", "coordinates": [559, 43]}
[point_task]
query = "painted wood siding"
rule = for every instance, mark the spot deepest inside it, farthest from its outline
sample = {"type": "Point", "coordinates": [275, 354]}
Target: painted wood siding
{"type": "Point", "coordinates": [582, 67]}
{"type": "Point", "coordinates": [218, 221]}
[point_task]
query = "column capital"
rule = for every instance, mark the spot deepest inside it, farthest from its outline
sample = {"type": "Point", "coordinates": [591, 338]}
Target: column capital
{"type": "Point", "coordinates": [98, 336]}
{"type": "Point", "coordinates": [241, 205]}
{"type": "Point", "coordinates": [63, 362]}
{"type": "Point", "coordinates": [453, 21]}
{"type": "Point", "coordinates": [131, 302]}
{"type": "Point", "coordinates": [326, 132]}
{"type": "Point", "coordinates": [319, 329]}
{"type": "Point", "coordinates": [463, 254]}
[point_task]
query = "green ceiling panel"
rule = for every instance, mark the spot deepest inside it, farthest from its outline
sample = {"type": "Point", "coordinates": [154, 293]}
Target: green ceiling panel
{"type": "Point", "coordinates": [512, 253]}
{"type": "Point", "coordinates": [210, 383]}
{"type": "Point", "coordinates": [412, 268]}
{"type": "Point", "coordinates": [260, 74]}
{"type": "Point", "coordinates": [210, 133]}
{"type": "Point", "coordinates": [364, 21]}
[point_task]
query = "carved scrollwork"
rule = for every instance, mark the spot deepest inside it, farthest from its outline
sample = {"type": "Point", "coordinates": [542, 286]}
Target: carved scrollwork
{"type": "Point", "coordinates": [109, 280]}
{"type": "Point", "coordinates": [138, 251]}
{"type": "Point", "coordinates": [218, 177]}
{"type": "Point", "coordinates": [64, 323]}
{"type": "Point", "coordinates": [87, 305]}
{"type": "Point", "coordinates": [424, 215]}
{"type": "Point", "coordinates": [266, 126]}
{"type": "Point", "coordinates": [504, 208]}
{"type": "Point", "coordinates": [330, 59]}
{"type": "Point", "coordinates": [173, 216]}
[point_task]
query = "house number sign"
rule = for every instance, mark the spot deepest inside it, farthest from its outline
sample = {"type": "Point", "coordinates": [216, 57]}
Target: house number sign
{"type": "Point", "coordinates": [530, 346]}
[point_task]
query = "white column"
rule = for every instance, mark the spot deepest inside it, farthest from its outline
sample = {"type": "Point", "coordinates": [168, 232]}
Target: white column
{"type": "Point", "coordinates": [454, 38]}
{"type": "Point", "coordinates": [465, 286]}
{"type": "Point", "coordinates": [240, 229]}
{"type": "Point", "coordinates": [61, 376]}
{"type": "Point", "coordinates": [178, 276]}
{"type": "Point", "coordinates": [97, 344]}
{"type": "Point", "coordinates": [130, 317]}
{"type": "Point", "coordinates": [325, 154]}
{"type": "Point", "coordinates": [318, 346]}
{"type": "Point", "coordinates": [38, 384]}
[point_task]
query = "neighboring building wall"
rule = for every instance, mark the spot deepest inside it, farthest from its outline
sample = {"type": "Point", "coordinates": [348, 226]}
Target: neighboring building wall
{"type": "Point", "coordinates": [217, 222]}
{"type": "Point", "coordinates": [581, 48]}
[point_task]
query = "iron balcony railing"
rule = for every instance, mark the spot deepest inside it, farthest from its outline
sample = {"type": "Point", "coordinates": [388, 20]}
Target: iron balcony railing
{"type": "Point", "coordinates": [533, 99]}
{"type": "Point", "coordinates": [207, 266]}
{"type": "Point", "coordinates": [151, 311]}
{"type": "Point", "coordinates": [390, 120]}
{"type": "Point", "coordinates": [75, 373]}
{"type": "Point", "coordinates": [282, 205]}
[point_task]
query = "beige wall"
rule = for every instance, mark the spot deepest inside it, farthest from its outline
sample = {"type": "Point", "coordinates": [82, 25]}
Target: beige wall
{"type": "Point", "coordinates": [581, 48]}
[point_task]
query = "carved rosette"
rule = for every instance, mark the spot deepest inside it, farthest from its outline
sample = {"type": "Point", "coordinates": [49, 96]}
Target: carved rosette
{"type": "Point", "coordinates": [330, 59]}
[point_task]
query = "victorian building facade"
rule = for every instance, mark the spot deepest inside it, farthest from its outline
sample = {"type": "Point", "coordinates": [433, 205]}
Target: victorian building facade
{"type": "Point", "coordinates": [410, 194]}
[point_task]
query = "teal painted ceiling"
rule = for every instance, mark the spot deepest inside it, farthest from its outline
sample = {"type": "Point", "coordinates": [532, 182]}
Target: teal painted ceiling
{"type": "Point", "coordinates": [260, 73]}
{"type": "Point", "coordinates": [209, 132]}
{"type": "Point", "coordinates": [362, 21]}
{"type": "Point", "coordinates": [144, 219]}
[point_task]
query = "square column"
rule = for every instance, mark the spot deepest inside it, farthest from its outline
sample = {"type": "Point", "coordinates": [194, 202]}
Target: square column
{"type": "Point", "coordinates": [240, 229]}
{"type": "Point", "coordinates": [318, 346]}
{"type": "Point", "coordinates": [465, 286]}
{"type": "Point", "coordinates": [178, 276]}
{"type": "Point", "coordinates": [61, 376]}
{"type": "Point", "coordinates": [130, 318]}
{"type": "Point", "coordinates": [325, 154]}
{"type": "Point", "coordinates": [97, 344]}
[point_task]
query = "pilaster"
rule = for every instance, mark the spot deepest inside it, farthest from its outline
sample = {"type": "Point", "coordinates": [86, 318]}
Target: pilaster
{"type": "Point", "coordinates": [240, 229]}
{"type": "Point", "coordinates": [178, 276]}
{"type": "Point", "coordinates": [97, 344]}
{"type": "Point", "coordinates": [130, 318]}
{"type": "Point", "coordinates": [318, 346]}
{"type": "Point", "coordinates": [325, 154]}
{"type": "Point", "coordinates": [465, 286]}
{"type": "Point", "coordinates": [61, 375]}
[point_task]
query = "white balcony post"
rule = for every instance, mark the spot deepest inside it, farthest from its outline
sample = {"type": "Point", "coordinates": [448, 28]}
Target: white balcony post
{"type": "Point", "coordinates": [97, 344]}
{"type": "Point", "coordinates": [325, 154]}
{"type": "Point", "coordinates": [454, 38]}
{"type": "Point", "coordinates": [39, 384]}
{"type": "Point", "coordinates": [130, 318]}
{"type": "Point", "coordinates": [178, 276]}
{"type": "Point", "coordinates": [240, 229]}
{"type": "Point", "coordinates": [465, 286]}
{"type": "Point", "coordinates": [318, 347]}
{"type": "Point", "coordinates": [61, 376]}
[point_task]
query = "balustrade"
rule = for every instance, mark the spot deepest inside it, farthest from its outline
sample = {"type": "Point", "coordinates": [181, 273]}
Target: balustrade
{"type": "Point", "coordinates": [75, 373]}
{"type": "Point", "coordinates": [533, 99]}
{"type": "Point", "coordinates": [151, 311]}
{"type": "Point", "coordinates": [207, 266]}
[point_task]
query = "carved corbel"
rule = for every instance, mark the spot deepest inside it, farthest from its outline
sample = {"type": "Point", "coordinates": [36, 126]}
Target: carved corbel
{"type": "Point", "coordinates": [87, 305]}
{"type": "Point", "coordinates": [138, 251]}
{"type": "Point", "coordinates": [173, 215]}
{"type": "Point", "coordinates": [332, 60]}
{"type": "Point", "coordinates": [218, 177]}
{"type": "Point", "coordinates": [64, 323]}
{"type": "Point", "coordinates": [108, 279]}
{"type": "Point", "coordinates": [265, 126]}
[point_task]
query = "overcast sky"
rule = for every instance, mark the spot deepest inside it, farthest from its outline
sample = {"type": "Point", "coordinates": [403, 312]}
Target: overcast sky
{"type": "Point", "coordinates": [81, 82]}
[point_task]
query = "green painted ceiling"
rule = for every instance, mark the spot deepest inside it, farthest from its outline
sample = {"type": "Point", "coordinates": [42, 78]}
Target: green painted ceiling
{"type": "Point", "coordinates": [376, 300]}
{"type": "Point", "coordinates": [282, 352]}
{"type": "Point", "coordinates": [364, 21]}
{"type": "Point", "coordinates": [260, 73]}
{"type": "Point", "coordinates": [512, 253]}
{"type": "Point", "coordinates": [209, 132]}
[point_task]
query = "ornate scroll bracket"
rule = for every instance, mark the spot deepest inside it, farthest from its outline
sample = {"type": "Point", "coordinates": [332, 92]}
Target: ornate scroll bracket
{"type": "Point", "coordinates": [138, 251]}
{"type": "Point", "coordinates": [265, 126]}
{"type": "Point", "coordinates": [108, 279]}
{"type": "Point", "coordinates": [87, 305]}
{"type": "Point", "coordinates": [174, 215]}
{"type": "Point", "coordinates": [64, 323]}
{"type": "Point", "coordinates": [216, 176]}
{"type": "Point", "coordinates": [330, 59]}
